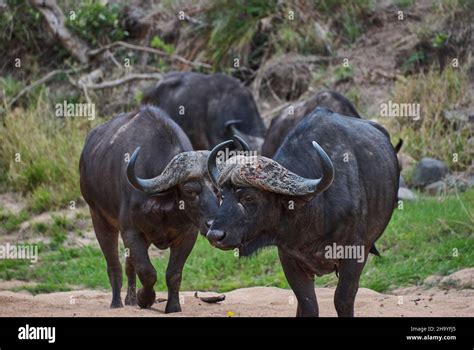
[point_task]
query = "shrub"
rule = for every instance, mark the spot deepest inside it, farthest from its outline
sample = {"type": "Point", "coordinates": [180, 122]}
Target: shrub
{"type": "Point", "coordinates": [347, 15]}
{"type": "Point", "coordinates": [234, 24]}
{"type": "Point", "coordinates": [95, 22]}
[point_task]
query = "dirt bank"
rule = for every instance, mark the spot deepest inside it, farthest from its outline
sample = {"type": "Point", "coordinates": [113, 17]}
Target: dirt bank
{"type": "Point", "coordinates": [256, 301]}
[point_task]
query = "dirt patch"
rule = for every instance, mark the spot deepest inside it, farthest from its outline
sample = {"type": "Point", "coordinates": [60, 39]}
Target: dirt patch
{"type": "Point", "coordinates": [12, 202]}
{"type": "Point", "coordinates": [14, 284]}
{"type": "Point", "coordinates": [373, 56]}
{"type": "Point", "coordinates": [80, 232]}
{"type": "Point", "coordinates": [253, 302]}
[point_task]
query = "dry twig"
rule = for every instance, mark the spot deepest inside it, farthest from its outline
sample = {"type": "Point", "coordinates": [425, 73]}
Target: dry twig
{"type": "Point", "coordinates": [42, 80]}
{"type": "Point", "coordinates": [95, 52]}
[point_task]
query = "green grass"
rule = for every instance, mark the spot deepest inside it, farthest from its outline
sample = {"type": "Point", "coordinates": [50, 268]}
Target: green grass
{"type": "Point", "coordinates": [419, 242]}
{"type": "Point", "coordinates": [233, 26]}
{"type": "Point", "coordinates": [39, 151]}
{"type": "Point", "coordinates": [11, 222]}
{"type": "Point", "coordinates": [347, 16]}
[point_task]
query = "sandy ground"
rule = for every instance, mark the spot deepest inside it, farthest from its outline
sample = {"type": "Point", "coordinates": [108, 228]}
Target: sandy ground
{"type": "Point", "coordinates": [439, 296]}
{"type": "Point", "coordinates": [256, 301]}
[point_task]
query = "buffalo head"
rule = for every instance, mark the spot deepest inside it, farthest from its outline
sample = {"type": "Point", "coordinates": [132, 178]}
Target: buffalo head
{"type": "Point", "coordinates": [253, 191]}
{"type": "Point", "coordinates": [185, 180]}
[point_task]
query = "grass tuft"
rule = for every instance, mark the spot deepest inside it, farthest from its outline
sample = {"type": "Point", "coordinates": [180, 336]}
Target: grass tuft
{"type": "Point", "coordinates": [39, 155]}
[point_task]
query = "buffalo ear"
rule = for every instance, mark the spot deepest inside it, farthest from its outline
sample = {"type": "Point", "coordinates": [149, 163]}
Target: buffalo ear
{"type": "Point", "coordinates": [296, 202]}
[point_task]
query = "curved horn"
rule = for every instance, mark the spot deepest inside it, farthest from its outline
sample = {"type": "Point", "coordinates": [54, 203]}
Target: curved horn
{"type": "Point", "coordinates": [239, 141]}
{"type": "Point", "coordinates": [237, 135]}
{"type": "Point", "coordinates": [269, 175]}
{"type": "Point", "coordinates": [255, 142]}
{"type": "Point", "coordinates": [183, 166]}
{"type": "Point", "coordinates": [136, 182]}
{"type": "Point", "coordinates": [230, 125]}
{"type": "Point", "coordinates": [211, 161]}
{"type": "Point", "coordinates": [326, 180]}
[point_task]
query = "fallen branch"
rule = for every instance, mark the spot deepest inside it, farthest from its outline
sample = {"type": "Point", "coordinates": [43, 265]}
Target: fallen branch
{"type": "Point", "coordinates": [42, 80]}
{"type": "Point", "coordinates": [95, 52]}
{"type": "Point", "coordinates": [55, 20]}
{"type": "Point", "coordinates": [122, 80]}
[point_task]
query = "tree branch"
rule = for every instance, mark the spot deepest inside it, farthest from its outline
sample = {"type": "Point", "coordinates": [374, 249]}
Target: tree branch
{"type": "Point", "coordinates": [95, 52]}
{"type": "Point", "coordinates": [125, 79]}
{"type": "Point", "coordinates": [55, 20]}
{"type": "Point", "coordinates": [42, 80]}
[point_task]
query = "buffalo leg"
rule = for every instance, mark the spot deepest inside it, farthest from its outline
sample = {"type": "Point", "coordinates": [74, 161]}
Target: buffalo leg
{"type": "Point", "coordinates": [347, 287]}
{"type": "Point", "coordinates": [138, 247]}
{"type": "Point", "coordinates": [131, 298]}
{"type": "Point", "coordinates": [178, 257]}
{"type": "Point", "coordinates": [107, 235]}
{"type": "Point", "coordinates": [302, 285]}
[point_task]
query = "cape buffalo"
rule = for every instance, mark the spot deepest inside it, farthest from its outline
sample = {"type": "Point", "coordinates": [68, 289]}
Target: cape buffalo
{"type": "Point", "coordinates": [209, 107]}
{"type": "Point", "coordinates": [323, 211]}
{"type": "Point", "coordinates": [165, 204]}
{"type": "Point", "coordinates": [282, 124]}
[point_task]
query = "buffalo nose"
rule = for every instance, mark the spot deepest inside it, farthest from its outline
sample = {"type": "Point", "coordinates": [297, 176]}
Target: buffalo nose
{"type": "Point", "coordinates": [209, 223]}
{"type": "Point", "coordinates": [215, 235]}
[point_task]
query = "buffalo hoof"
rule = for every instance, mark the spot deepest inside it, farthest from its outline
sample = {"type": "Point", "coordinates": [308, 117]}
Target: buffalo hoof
{"type": "Point", "coordinates": [131, 299]}
{"type": "Point", "coordinates": [116, 304]}
{"type": "Point", "coordinates": [145, 299]}
{"type": "Point", "coordinates": [170, 308]}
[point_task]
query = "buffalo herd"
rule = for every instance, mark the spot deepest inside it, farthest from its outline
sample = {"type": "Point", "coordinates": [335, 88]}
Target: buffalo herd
{"type": "Point", "coordinates": [320, 184]}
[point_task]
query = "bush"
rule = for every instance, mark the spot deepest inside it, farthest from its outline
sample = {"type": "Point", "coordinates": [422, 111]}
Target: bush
{"type": "Point", "coordinates": [234, 24]}
{"type": "Point", "coordinates": [95, 22]}
{"type": "Point", "coordinates": [347, 15]}
{"type": "Point", "coordinates": [20, 38]}
{"type": "Point", "coordinates": [157, 43]}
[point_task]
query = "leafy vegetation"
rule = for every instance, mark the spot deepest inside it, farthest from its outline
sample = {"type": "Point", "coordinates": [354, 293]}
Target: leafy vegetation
{"type": "Point", "coordinates": [21, 43]}
{"type": "Point", "coordinates": [157, 43]}
{"type": "Point", "coordinates": [347, 15]}
{"type": "Point", "coordinates": [234, 25]}
{"type": "Point", "coordinates": [240, 28]}
{"type": "Point", "coordinates": [96, 22]}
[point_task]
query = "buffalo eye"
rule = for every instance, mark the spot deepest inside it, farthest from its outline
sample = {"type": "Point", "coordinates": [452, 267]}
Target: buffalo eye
{"type": "Point", "coordinates": [247, 199]}
{"type": "Point", "coordinates": [192, 189]}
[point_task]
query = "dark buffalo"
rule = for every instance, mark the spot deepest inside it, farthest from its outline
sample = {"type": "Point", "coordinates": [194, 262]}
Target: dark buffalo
{"type": "Point", "coordinates": [209, 108]}
{"type": "Point", "coordinates": [311, 204]}
{"type": "Point", "coordinates": [284, 122]}
{"type": "Point", "coordinates": [166, 207]}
